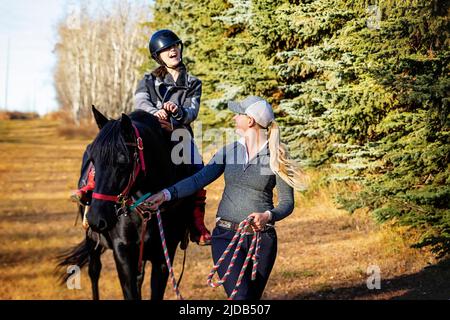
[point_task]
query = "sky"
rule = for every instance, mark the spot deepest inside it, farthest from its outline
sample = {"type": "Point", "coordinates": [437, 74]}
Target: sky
{"type": "Point", "coordinates": [30, 28]}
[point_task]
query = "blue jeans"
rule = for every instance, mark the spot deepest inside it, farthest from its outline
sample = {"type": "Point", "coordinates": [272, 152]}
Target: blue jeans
{"type": "Point", "coordinates": [248, 290]}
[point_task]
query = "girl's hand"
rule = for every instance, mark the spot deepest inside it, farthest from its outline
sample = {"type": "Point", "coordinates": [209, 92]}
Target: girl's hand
{"type": "Point", "coordinates": [153, 202]}
{"type": "Point", "coordinates": [162, 114]}
{"type": "Point", "coordinates": [170, 107]}
{"type": "Point", "coordinates": [260, 220]}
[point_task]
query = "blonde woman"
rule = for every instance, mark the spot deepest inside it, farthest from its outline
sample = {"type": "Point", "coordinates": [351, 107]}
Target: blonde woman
{"type": "Point", "coordinates": [253, 166]}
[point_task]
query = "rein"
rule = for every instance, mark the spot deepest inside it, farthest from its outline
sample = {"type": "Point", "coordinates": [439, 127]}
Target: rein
{"type": "Point", "coordinates": [253, 254]}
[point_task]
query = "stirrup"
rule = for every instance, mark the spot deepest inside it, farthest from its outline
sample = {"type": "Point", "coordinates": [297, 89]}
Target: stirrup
{"type": "Point", "coordinates": [75, 197]}
{"type": "Point", "coordinates": [85, 223]}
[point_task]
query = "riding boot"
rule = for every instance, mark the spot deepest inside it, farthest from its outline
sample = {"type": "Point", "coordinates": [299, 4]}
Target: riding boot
{"type": "Point", "coordinates": [199, 233]}
{"type": "Point", "coordinates": [83, 195]}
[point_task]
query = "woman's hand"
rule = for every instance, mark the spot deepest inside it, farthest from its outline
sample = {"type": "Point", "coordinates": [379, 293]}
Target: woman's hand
{"type": "Point", "coordinates": [155, 201]}
{"type": "Point", "coordinates": [169, 106]}
{"type": "Point", "coordinates": [162, 114]}
{"type": "Point", "coordinates": [260, 220]}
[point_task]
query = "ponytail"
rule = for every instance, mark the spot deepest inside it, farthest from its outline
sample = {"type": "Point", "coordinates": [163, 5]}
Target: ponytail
{"type": "Point", "coordinates": [281, 163]}
{"type": "Point", "coordinates": [160, 72]}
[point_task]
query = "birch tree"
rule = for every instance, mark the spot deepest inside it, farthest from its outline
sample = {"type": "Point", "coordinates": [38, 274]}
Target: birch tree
{"type": "Point", "coordinates": [98, 60]}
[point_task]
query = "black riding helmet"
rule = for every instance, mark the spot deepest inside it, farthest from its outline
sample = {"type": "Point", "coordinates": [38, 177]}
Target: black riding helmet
{"type": "Point", "coordinates": [163, 39]}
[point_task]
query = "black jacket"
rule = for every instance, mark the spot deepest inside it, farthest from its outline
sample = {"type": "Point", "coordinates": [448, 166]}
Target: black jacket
{"type": "Point", "coordinates": [153, 91]}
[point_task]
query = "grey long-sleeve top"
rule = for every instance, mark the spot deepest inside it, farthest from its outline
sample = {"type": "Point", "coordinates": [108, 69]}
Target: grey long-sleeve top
{"type": "Point", "coordinates": [248, 186]}
{"type": "Point", "coordinates": [188, 101]}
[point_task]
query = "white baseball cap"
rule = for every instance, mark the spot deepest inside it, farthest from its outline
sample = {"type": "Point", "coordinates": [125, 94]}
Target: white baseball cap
{"type": "Point", "coordinates": [255, 107]}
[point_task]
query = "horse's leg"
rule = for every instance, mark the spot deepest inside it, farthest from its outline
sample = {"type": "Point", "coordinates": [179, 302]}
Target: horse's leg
{"type": "Point", "coordinates": [158, 281]}
{"type": "Point", "coordinates": [126, 264]}
{"type": "Point", "coordinates": [95, 267]}
{"type": "Point", "coordinates": [160, 273]}
{"type": "Point", "coordinates": [140, 278]}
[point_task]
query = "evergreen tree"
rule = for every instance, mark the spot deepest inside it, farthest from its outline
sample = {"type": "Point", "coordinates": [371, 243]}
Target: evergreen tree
{"type": "Point", "coordinates": [361, 88]}
{"type": "Point", "coordinates": [202, 36]}
{"type": "Point", "coordinates": [221, 50]}
{"type": "Point", "coordinates": [367, 89]}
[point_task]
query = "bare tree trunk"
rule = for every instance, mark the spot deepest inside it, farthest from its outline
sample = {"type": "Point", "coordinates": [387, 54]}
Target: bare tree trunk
{"type": "Point", "coordinates": [98, 62]}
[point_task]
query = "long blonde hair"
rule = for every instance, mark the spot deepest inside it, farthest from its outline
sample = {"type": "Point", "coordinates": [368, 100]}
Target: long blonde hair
{"type": "Point", "coordinates": [281, 163]}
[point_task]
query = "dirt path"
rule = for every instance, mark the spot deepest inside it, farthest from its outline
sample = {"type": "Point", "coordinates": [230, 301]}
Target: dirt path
{"type": "Point", "coordinates": [324, 253]}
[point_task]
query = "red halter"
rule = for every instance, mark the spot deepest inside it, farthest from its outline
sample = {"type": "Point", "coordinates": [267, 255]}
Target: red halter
{"type": "Point", "coordinates": [138, 165]}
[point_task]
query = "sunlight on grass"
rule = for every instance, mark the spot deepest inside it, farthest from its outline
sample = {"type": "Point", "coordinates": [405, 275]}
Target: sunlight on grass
{"type": "Point", "coordinates": [320, 246]}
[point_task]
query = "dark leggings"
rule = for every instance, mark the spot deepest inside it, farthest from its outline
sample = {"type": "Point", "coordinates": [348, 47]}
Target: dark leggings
{"type": "Point", "coordinates": [248, 290]}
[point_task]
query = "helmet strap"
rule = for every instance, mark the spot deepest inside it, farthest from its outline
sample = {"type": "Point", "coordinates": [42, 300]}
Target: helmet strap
{"type": "Point", "coordinates": [176, 67]}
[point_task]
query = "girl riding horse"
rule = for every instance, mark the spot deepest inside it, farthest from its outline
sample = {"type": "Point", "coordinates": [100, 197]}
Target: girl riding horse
{"type": "Point", "coordinates": [172, 95]}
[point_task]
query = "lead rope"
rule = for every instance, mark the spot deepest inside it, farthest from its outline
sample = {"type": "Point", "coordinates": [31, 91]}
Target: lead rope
{"type": "Point", "coordinates": [136, 206]}
{"type": "Point", "coordinates": [166, 255]}
{"type": "Point", "coordinates": [253, 254]}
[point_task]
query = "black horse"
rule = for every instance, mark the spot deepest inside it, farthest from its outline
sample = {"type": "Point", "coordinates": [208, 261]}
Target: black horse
{"type": "Point", "coordinates": [115, 152]}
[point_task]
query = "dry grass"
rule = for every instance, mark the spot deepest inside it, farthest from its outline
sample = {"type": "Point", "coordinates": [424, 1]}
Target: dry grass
{"type": "Point", "coordinates": [323, 252]}
{"type": "Point", "coordinates": [17, 115]}
{"type": "Point", "coordinates": [72, 131]}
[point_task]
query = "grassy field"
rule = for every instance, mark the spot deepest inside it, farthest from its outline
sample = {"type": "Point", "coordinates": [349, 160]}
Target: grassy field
{"type": "Point", "coordinates": [324, 253]}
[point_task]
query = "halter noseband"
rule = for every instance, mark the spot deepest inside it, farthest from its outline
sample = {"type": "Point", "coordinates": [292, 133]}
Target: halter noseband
{"type": "Point", "coordinates": [138, 166]}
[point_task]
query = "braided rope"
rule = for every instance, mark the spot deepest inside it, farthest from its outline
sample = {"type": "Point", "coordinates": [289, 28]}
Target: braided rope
{"type": "Point", "coordinates": [250, 255]}
{"type": "Point", "coordinates": [166, 255]}
{"type": "Point", "coordinates": [253, 254]}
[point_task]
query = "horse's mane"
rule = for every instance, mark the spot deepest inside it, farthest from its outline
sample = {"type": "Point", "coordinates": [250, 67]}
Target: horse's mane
{"type": "Point", "coordinates": [108, 143]}
{"type": "Point", "coordinates": [147, 119]}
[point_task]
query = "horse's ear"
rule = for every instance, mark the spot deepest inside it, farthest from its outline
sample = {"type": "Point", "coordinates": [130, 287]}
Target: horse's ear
{"type": "Point", "coordinates": [126, 124]}
{"type": "Point", "coordinates": [99, 118]}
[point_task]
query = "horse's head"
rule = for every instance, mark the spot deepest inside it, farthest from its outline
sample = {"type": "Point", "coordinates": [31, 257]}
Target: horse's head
{"type": "Point", "coordinates": [113, 155]}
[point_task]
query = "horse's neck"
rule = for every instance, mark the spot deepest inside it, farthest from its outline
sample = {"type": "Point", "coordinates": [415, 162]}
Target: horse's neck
{"type": "Point", "coordinates": [160, 169]}
{"type": "Point", "coordinates": [159, 166]}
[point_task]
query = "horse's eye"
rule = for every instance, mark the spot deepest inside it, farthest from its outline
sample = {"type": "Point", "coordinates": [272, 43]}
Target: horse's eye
{"type": "Point", "coordinates": [122, 159]}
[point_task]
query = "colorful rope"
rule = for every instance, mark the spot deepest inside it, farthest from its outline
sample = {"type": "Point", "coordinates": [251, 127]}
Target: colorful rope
{"type": "Point", "coordinates": [166, 255]}
{"type": "Point", "coordinates": [253, 254]}
{"type": "Point", "coordinates": [250, 255]}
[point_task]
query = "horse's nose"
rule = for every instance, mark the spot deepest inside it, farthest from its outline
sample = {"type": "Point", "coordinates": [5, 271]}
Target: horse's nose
{"type": "Point", "coordinates": [102, 224]}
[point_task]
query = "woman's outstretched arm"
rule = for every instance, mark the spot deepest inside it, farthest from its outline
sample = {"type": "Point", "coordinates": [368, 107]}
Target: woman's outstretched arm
{"type": "Point", "coordinates": [192, 184]}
